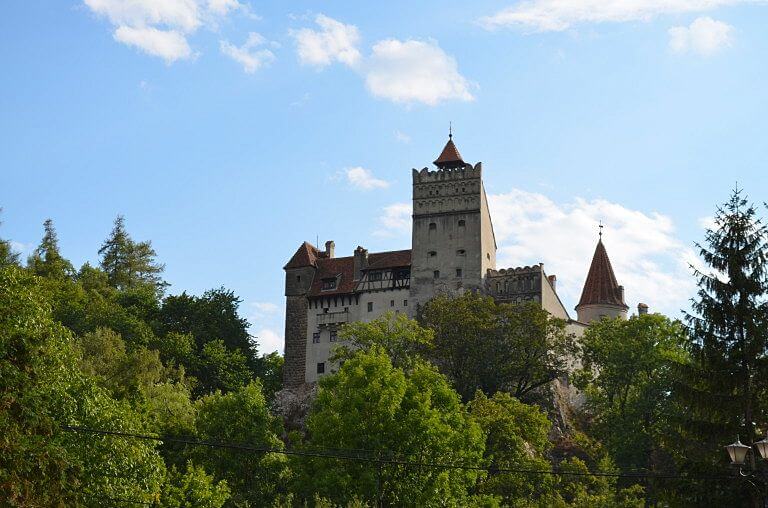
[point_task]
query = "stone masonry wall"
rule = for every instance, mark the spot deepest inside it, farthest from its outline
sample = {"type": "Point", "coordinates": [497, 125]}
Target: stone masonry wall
{"type": "Point", "coordinates": [296, 308]}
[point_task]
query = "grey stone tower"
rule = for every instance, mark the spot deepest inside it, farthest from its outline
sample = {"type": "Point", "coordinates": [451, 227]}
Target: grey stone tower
{"type": "Point", "coordinates": [602, 295]}
{"type": "Point", "coordinates": [299, 273]}
{"type": "Point", "coordinates": [453, 245]}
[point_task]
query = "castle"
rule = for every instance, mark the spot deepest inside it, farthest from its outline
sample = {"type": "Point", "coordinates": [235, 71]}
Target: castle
{"type": "Point", "coordinates": [453, 249]}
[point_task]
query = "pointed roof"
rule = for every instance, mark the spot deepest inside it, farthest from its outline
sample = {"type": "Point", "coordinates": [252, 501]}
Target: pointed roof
{"type": "Point", "coordinates": [305, 256]}
{"type": "Point", "coordinates": [601, 287]}
{"type": "Point", "coordinates": [450, 156]}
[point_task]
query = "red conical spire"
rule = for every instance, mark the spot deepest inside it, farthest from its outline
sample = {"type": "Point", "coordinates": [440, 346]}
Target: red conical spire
{"type": "Point", "coordinates": [601, 287]}
{"type": "Point", "coordinates": [450, 156]}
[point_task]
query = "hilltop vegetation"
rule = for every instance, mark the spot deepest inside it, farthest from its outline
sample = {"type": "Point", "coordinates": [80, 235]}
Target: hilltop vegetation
{"type": "Point", "coordinates": [114, 392]}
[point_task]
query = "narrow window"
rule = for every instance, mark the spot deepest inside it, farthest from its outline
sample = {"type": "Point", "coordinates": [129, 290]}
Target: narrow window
{"type": "Point", "coordinates": [391, 303]}
{"type": "Point", "coordinates": [432, 226]}
{"type": "Point", "coordinates": [321, 368]}
{"type": "Point", "coordinates": [488, 255]}
{"type": "Point", "coordinates": [332, 336]}
{"type": "Point", "coordinates": [370, 306]}
{"type": "Point", "coordinates": [298, 278]}
{"type": "Point", "coordinates": [374, 276]}
{"type": "Point", "coordinates": [405, 303]}
{"type": "Point", "coordinates": [316, 338]}
{"type": "Point", "coordinates": [458, 272]}
{"type": "Point", "coordinates": [346, 309]}
{"type": "Point", "coordinates": [436, 274]}
{"type": "Point", "coordinates": [462, 223]}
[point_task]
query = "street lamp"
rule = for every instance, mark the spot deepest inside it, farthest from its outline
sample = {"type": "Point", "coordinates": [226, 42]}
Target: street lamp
{"type": "Point", "coordinates": [757, 476]}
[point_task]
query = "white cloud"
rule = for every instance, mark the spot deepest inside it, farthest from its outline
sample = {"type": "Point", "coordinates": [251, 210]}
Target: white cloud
{"type": "Point", "coordinates": [269, 341]}
{"type": "Point", "coordinates": [335, 41]}
{"type": "Point", "coordinates": [648, 259]}
{"type": "Point", "coordinates": [265, 307]}
{"type": "Point", "coordinates": [414, 71]}
{"type": "Point", "coordinates": [705, 36]}
{"type": "Point", "coordinates": [395, 220]}
{"type": "Point", "coordinates": [161, 27]}
{"type": "Point", "coordinates": [362, 178]}
{"type": "Point", "coordinates": [167, 44]}
{"type": "Point", "coordinates": [402, 137]}
{"type": "Point", "coordinates": [251, 58]}
{"type": "Point", "coordinates": [559, 15]}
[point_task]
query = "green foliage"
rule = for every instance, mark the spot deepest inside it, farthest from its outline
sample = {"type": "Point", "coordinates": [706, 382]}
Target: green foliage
{"type": "Point", "coordinates": [242, 417]}
{"type": "Point", "coordinates": [129, 264]}
{"type": "Point", "coordinates": [47, 261]}
{"type": "Point", "coordinates": [480, 344]}
{"type": "Point", "coordinates": [271, 374]}
{"type": "Point", "coordinates": [220, 368]}
{"type": "Point", "coordinates": [376, 408]}
{"type": "Point", "coordinates": [402, 339]}
{"type": "Point", "coordinates": [193, 488]}
{"type": "Point", "coordinates": [583, 490]}
{"type": "Point", "coordinates": [516, 437]}
{"type": "Point", "coordinates": [42, 389]}
{"type": "Point", "coordinates": [629, 370]}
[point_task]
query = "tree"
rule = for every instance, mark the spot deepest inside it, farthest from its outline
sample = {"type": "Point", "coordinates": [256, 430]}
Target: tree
{"type": "Point", "coordinates": [128, 263]}
{"type": "Point", "coordinates": [43, 389]}
{"type": "Point", "coordinates": [7, 254]}
{"type": "Point", "coordinates": [241, 416]}
{"type": "Point", "coordinates": [193, 488]}
{"type": "Point", "coordinates": [401, 338]}
{"type": "Point", "coordinates": [516, 437]}
{"type": "Point", "coordinates": [379, 411]}
{"type": "Point", "coordinates": [219, 368]}
{"type": "Point", "coordinates": [480, 344]}
{"type": "Point", "coordinates": [629, 370]}
{"type": "Point", "coordinates": [47, 261]}
{"type": "Point", "coordinates": [724, 389]}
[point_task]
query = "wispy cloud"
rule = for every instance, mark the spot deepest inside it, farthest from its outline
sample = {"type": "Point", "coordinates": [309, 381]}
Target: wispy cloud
{"type": "Point", "coordinates": [402, 137]}
{"type": "Point", "coordinates": [249, 55]}
{"type": "Point", "coordinates": [364, 179]}
{"type": "Point", "coordinates": [704, 37]}
{"type": "Point", "coordinates": [559, 15]}
{"type": "Point", "coordinates": [333, 41]}
{"type": "Point", "coordinates": [402, 71]}
{"type": "Point", "coordinates": [395, 221]}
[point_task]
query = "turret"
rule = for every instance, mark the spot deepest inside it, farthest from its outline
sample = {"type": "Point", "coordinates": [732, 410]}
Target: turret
{"type": "Point", "coordinates": [602, 296]}
{"type": "Point", "coordinates": [299, 274]}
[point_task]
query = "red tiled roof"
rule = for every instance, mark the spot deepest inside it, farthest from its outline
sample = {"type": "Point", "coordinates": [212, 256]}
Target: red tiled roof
{"type": "Point", "coordinates": [344, 270]}
{"type": "Point", "coordinates": [306, 255]}
{"type": "Point", "coordinates": [601, 287]}
{"type": "Point", "coordinates": [449, 157]}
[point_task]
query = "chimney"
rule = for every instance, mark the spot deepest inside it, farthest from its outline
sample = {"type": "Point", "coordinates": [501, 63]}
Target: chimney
{"type": "Point", "coordinates": [621, 292]}
{"type": "Point", "coordinates": [642, 309]}
{"type": "Point", "coordinates": [553, 282]}
{"type": "Point", "coordinates": [360, 262]}
{"type": "Point", "coordinates": [330, 248]}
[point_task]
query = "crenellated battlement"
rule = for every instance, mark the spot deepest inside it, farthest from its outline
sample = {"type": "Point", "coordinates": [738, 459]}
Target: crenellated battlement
{"type": "Point", "coordinates": [441, 175]}
{"type": "Point", "coordinates": [520, 270]}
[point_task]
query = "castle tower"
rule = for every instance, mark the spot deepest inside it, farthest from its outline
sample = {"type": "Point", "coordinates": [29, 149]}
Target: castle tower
{"type": "Point", "coordinates": [299, 274]}
{"type": "Point", "coordinates": [602, 296]}
{"type": "Point", "coordinates": [453, 244]}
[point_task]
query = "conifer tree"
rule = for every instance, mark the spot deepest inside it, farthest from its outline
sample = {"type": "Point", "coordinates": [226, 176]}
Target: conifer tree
{"type": "Point", "coordinates": [723, 391]}
{"type": "Point", "coordinates": [47, 261]}
{"type": "Point", "coordinates": [129, 264]}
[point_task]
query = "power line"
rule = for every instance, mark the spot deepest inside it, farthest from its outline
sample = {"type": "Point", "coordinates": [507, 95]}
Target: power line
{"type": "Point", "coordinates": [378, 459]}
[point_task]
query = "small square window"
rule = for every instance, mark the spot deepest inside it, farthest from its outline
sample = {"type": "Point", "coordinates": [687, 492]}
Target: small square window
{"type": "Point", "coordinates": [458, 272]}
{"type": "Point", "coordinates": [333, 336]}
{"type": "Point", "coordinates": [391, 303]}
{"type": "Point", "coordinates": [432, 226]}
{"type": "Point", "coordinates": [432, 253]}
{"type": "Point", "coordinates": [436, 274]}
{"type": "Point", "coordinates": [298, 278]}
{"type": "Point", "coordinates": [316, 338]}
{"type": "Point", "coordinates": [462, 223]}
{"type": "Point", "coordinates": [321, 368]}
{"type": "Point", "coordinates": [405, 303]}
{"type": "Point", "coordinates": [461, 252]}
{"type": "Point", "coordinates": [370, 306]}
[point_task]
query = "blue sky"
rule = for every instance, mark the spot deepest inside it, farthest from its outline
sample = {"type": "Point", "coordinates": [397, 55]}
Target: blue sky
{"type": "Point", "coordinates": [228, 132]}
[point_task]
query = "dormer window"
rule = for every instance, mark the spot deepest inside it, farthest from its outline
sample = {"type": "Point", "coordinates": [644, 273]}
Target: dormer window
{"type": "Point", "coordinates": [374, 276]}
{"type": "Point", "coordinates": [328, 284]}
